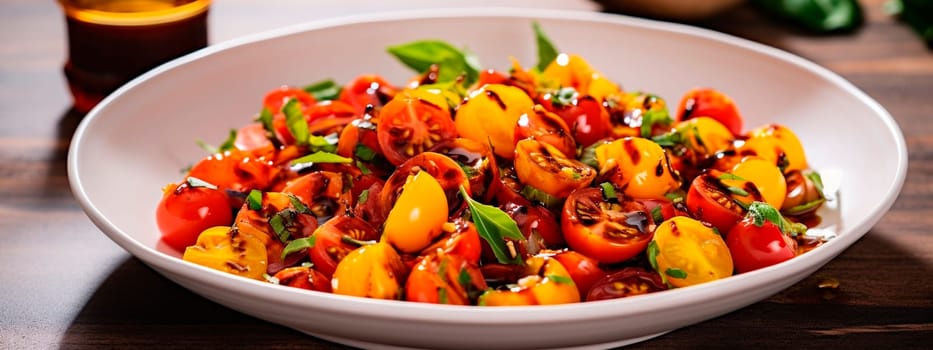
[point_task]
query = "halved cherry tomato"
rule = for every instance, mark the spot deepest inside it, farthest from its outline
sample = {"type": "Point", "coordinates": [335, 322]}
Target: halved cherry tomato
{"type": "Point", "coordinates": [629, 113]}
{"type": "Point", "coordinates": [689, 252]}
{"type": "Point", "coordinates": [367, 90]}
{"type": "Point", "coordinates": [610, 229]}
{"type": "Point", "coordinates": [545, 282]}
{"type": "Point", "coordinates": [413, 122]}
{"type": "Point", "coordinates": [547, 169]}
{"type": "Point", "coordinates": [663, 209]}
{"type": "Point", "coordinates": [709, 201]}
{"type": "Point", "coordinates": [460, 238]}
{"type": "Point", "coordinates": [185, 211]}
{"type": "Point", "coordinates": [329, 245]}
{"type": "Point", "coordinates": [371, 271]}
{"type": "Point", "coordinates": [368, 207]}
{"type": "Point", "coordinates": [444, 278]}
{"type": "Point", "coordinates": [321, 191]}
{"type": "Point", "coordinates": [489, 115]}
{"type": "Point", "coordinates": [304, 277]}
{"type": "Point", "coordinates": [707, 102]}
{"type": "Point", "coordinates": [227, 250]}
{"type": "Point", "coordinates": [445, 170]}
{"type": "Point", "coordinates": [252, 138]}
{"type": "Point", "coordinates": [629, 281]}
{"type": "Point", "coordinates": [548, 128]}
{"type": "Point", "coordinates": [803, 196]}
{"type": "Point", "coordinates": [538, 224]}
{"type": "Point", "coordinates": [584, 270]}
{"type": "Point", "coordinates": [758, 180]}
{"type": "Point", "coordinates": [236, 170]}
{"type": "Point", "coordinates": [757, 242]}
{"type": "Point", "coordinates": [418, 215]}
{"type": "Point", "coordinates": [638, 166]}
{"type": "Point", "coordinates": [291, 221]}
{"type": "Point", "coordinates": [477, 161]}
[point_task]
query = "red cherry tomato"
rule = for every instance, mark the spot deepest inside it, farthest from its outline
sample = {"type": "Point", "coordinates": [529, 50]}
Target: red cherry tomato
{"type": "Point", "coordinates": [253, 138]}
{"type": "Point", "coordinates": [584, 270]}
{"type": "Point", "coordinates": [367, 90]}
{"type": "Point", "coordinates": [535, 222]}
{"type": "Point", "coordinates": [478, 162]}
{"type": "Point", "coordinates": [464, 241]}
{"type": "Point", "coordinates": [185, 211]}
{"type": "Point", "coordinates": [305, 278]}
{"type": "Point", "coordinates": [707, 102]}
{"type": "Point", "coordinates": [444, 279]}
{"type": "Point", "coordinates": [754, 247]}
{"type": "Point", "coordinates": [608, 230]}
{"type": "Point", "coordinates": [278, 97]}
{"type": "Point", "coordinates": [663, 209]}
{"type": "Point", "coordinates": [413, 123]}
{"type": "Point", "coordinates": [329, 245]}
{"type": "Point", "coordinates": [321, 191]}
{"type": "Point", "coordinates": [707, 201]}
{"type": "Point", "coordinates": [585, 116]}
{"type": "Point", "coordinates": [235, 170]}
{"type": "Point", "coordinates": [625, 283]}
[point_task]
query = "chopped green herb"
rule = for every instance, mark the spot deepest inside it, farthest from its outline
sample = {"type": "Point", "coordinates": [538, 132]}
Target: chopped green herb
{"type": "Point", "coordinates": [225, 146]}
{"type": "Point", "coordinates": [298, 244]}
{"type": "Point", "coordinates": [325, 90]}
{"type": "Point", "coordinates": [656, 215]}
{"type": "Point", "coordinates": [326, 143]}
{"type": "Point", "coordinates": [651, 117]}
{"type": "Point", "coordinates": [609, 191]}
{"type": "Point", "coordinates": [265, 117]}
{"type": "Point", "coordinates": [254, 200]}
{"type": "Point", "coordinates": [494, 225]}
{"type": "Point", "coordinates": [196, 182]}
{"type": "Point", "coordinates": [560, 279]}
{"type": "Point", "coordinates": [320, 157]}
{"type": "Point", "coordinates": [803, 208]}
{"type": "Point", "coordinates": [761, 212]}
{"type": "Point", "coordinates": [730, 176]}
{"type": "Point", "coordinates": [542, 198]}
{"type": "Point", "coordinates": [564, 97]}
{"type": "Point", "coordinates": [817, 180]}
{"type": "Point", "coordinates": [464, 278]}
{"type": "Point", "coordinates": [442, 295]}
{"type": "Point", "coordinates": [546, 50]}
{"type": "Point", "coordinates": [737, 190]}
{"type": "Point", "coordinates": [675, 273]}
{"type": "Point", "coordinates": [364, 196]}
{"type": "Point", "coordinates": [363, 168]}
{"type": "Point", "coordinates": [670, 139]}
{"type": "Point", "coordinates": [295, 121]}
{"type": "Point", "coordinates": [300, 207]}
{"type": "Point", "coordinates": [364, 153]}
{"type": "Point", "coordinates": [278, 223]}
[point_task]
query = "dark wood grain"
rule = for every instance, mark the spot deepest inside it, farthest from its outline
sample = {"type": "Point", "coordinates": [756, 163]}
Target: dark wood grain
{"type": "Point", "coordinates": [65, 285]}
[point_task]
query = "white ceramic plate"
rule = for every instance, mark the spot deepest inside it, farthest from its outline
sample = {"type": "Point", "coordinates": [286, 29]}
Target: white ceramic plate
{"type": "Point", "coordinates": [136, 141]}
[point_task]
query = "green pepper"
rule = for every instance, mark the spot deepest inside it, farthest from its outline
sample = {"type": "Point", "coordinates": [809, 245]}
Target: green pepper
{"type": "Point", "coordinates": [816, 15]}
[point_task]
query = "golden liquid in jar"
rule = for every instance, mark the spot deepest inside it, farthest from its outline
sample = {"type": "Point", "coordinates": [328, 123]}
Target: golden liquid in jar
{"type": "Point", "coordinates": [112, 41]}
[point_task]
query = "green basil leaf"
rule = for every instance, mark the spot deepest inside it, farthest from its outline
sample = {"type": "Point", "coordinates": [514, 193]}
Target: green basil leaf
{"type": "Point", "coordinates": [295, 121]}
{"type": "Point", "coordinates": [729, 176]}
{"type": "Point", "coordinates": [675, 273]}
{"type": "Point", "coordinates": [653, 252]}
{"type": "Point", "coordinates": [196, 182]}
{"type": "Point", "coordinates": [546, 50]}
{"type": "Point", "coordinates": [327, 143]}
{"type": "Point", "coordinates": [279, 224]}
{"type": "Point", "coordinates": [452, 62]}
{"type": "Point", "coordinates": [225, 146]}
{"type": "Point", "coordinates": [265, 117]}
{"type": "Point", "coordinates": [806, 207]}
{"type": "Point", "coordinates": [254, 200]}
{"type": "Point", "coordinates": [320, 157]}
{"type": "Point", "coordinates": [560, 279]}
{"type": "Point", "coordinates": [363, 168]}
{"type": "Point", "coordinates": [298, 244]}
{"type": "Point", "coordinates": [325, 90]}
{"type": "Point", "coordinates": [609, 191]}
{"type": "Point", "coordinates": [670, 139]}
{"type": "Point", "coordinates": [656, 215]}
{"type": "Point", "coordinates": [442, 295]}
{"type": "Point", "coordinates": [564, 97]}
{"type": "Point", "coordinates": [364, 196]}
{"type": "Point", "coordinates": [816, 15]}
{"type": "Point", "coordinates": [299, 206]}
{"type": "Point", "coordinates": [540, 197]}
{"type": "Point", "coordinates": [364, 153]}
{"type": "Point", "coordinates": [494, 225]}
{"type": "Point", "coordinates": [761, 212]}
{"type": "Point", "coordinates": [651, 117]}
{"type": "Point", "coordinates": [817, 180]}
{"type": "Point", "coordinates": [737, 190]}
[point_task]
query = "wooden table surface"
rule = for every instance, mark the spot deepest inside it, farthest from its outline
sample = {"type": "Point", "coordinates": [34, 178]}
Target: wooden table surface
{"type": "Point", "coordinates": [64, 284]}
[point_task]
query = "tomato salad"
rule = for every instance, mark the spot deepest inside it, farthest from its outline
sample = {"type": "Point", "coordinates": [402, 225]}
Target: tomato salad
{"type": "Point", "coordinates": [468, 186]}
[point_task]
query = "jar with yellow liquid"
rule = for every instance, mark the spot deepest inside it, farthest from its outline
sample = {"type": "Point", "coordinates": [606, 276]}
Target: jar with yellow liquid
{"type": "Point", "coordinates": [111, 42]}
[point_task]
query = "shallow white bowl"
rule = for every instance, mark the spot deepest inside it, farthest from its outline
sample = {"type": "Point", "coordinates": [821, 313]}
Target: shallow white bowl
{"type": "Point", "coordinates": [136, 141]}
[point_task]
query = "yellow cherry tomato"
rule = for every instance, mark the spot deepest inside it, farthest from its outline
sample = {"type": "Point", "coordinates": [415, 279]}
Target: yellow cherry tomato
{"type": "Point", "coordinates": [760, 180]}
{"type": "Point", "coordinates": [573, 71]}
{"type": "Point", "coordinates": [689, 252]}
{"type": "Point", "coordinates": [705, 135]}
{"type": "Point", "coordinates": [777, 144]}
{"type": "Point", "coordinates": [638, 166]}
{"type": "Point", "coordinates": [490, 114]}
{"type": "Point", "coordinates": [630, 109]}
{"type": "Point", "coordinates": [418, 214]}
{"type": "Point", "coordinates": [545, 168]}
{"type": "Point", "coordinates": [546, 282]}
{"type": "Point", "coordinates": [230, 251]}
{"type": "Point", "coordinates": [371, 271]}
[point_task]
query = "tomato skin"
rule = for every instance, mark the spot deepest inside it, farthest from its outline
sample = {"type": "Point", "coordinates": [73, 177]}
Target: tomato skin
{"type": "Point", "coordinates": [329, 246]}
{"type": "Point", "coordinates": [638, 166]}
{"type": "Point", "coordinates": [436, 279]}
{"type": "Point", "coordinates": [445, 170]}
{"type": "Point", "coordinates": [464, 241]}
{"type": "Point", "coordinates": [321, 191]}
{"type": "Point", "coordinates": [478, 158]}
{"type": "Point", "coordinates": [305, 278]}
{"type": "Point", "coordinates": [371, 271]}
{"type": "Point", "coordinates": [584, 270]}
{"type": "Point", "coordinates": [754, 247]}
{"type": "Point", "coordinates": [708, 102]}
{"type": "Point", "coordinates": [413, 122]}
{"type": "Point", "coordinates": [707, 201]}
{"type": "Point", "coordinates": [547, 169]}
{"type": "Point", "coordinates": [418, 215]}
{"type": "Point", "coordinates": [693, 249]}
{"type": "Point", "coordinates": [629, 281]}
{"type": "Point", "coordinates": [585, 116]}
{"type": "Point", "coordinates": [535, 222]}
{"type": "Point", "coordinates": [252, 138]}
{"type": "Point", "coordinates": [278, 97]}
{"type": "Point", "coordinates": [185, 211]}
{"type": "Point", "coordinates": [608, 231]}
{"type": "Point", "coordinates": [546, 127]}
{"type": "Point", "coordinates": [544, 281]}
{"type": "Point", "coordinates": [367, 89]}
{"type": "Point", "coordinates": [236, 170]}
{"type": "Point", "coordinates": [490, 114]}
